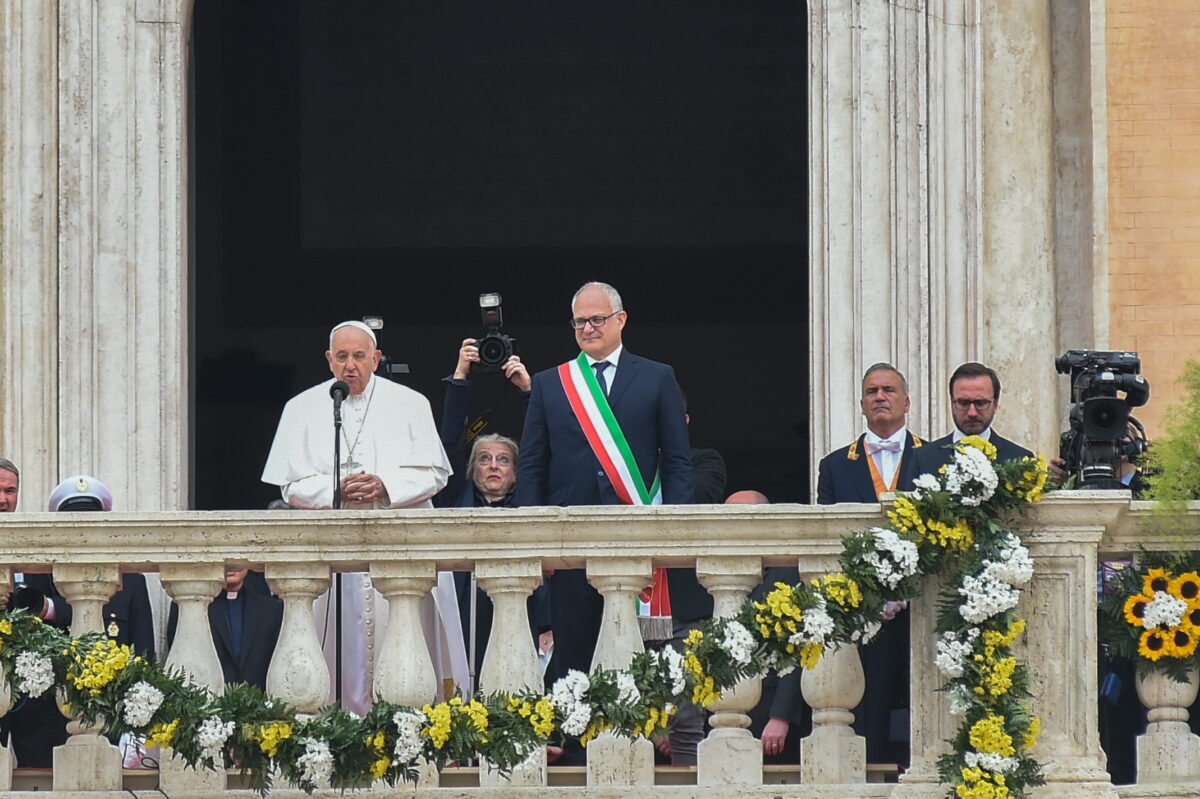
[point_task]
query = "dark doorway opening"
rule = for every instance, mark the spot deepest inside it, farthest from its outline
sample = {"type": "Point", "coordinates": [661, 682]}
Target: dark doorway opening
{"type": "Point", "coordinates": [401, 158]}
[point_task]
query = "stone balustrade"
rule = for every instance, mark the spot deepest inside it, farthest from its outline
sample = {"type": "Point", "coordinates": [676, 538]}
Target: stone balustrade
{"type": "Point", "coordinates": [508, 549]}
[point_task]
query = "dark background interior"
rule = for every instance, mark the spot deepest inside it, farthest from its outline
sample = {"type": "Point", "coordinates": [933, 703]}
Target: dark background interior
{"type": "Point", "coordinates": [401, 158]}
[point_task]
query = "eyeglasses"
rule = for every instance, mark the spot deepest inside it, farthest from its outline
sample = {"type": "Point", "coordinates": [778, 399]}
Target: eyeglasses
{"type": "Point", "coordinates": [594, 321]}
{"type": "Point", "coordinates": [486, 459]}
{"type": "Point", "coordinates": [980, 404]}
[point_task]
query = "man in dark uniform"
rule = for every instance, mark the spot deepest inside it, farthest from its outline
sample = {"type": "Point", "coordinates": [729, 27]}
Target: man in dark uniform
{"type": "Point", "coordinates": [974, 400]}
{"type": "Point", "coordinates": [882, 459]}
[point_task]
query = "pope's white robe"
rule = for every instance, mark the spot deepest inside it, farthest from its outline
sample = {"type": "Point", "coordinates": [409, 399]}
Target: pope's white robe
{"type": "Point", "coordinates": [389, 431]}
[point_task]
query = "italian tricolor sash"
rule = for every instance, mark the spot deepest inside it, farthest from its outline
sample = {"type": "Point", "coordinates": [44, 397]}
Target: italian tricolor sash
{"type": "Point", "coordinates": [604, 436]}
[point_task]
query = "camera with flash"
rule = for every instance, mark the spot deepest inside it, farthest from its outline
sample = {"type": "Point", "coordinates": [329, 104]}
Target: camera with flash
{"type": "Point", "coordinates": [495, 347]}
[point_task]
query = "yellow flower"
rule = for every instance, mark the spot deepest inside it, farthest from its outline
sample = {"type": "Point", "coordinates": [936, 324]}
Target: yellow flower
{"type": "Point", "coordinates": [958, 538]}
{"type": "Point", "coordinates": [981, 784]}
{"type": "Point", "coordinates": [477, 712]}
{"type": "Point", "coordinates": [1033, 481]}
{"type": "Point", "coordinates": [1135, 609]}
{"type": "Point", "coordinates": [998, 678]}
{"type": "Point", "coordinates": [810, 654]}
{"type": "Point", "coordinates": [438, 728]}
{"type": "Point", "coordinates": [979, 443]}
{"type": "Point", "coordinates": [1181, 642]}
{"type": "Point", "coordinates": [542, 718]}
{"type": "Point", "coordinates": [1035, 729]}
{"type": "Point", "coordinates": [1155, 580]}
{"type": "Point", "coordinates": [839, 588]}
{"type": "Point", "coordinates": [594, 729]}
{"type": "Point", "coordinates": [1152, 645]}
{"type": "Point", "coordinates": [380, 767]}
{"type": "Point", "coordinates": [1186, 586]}
{"type": "Point", "coordinates": [988, 735]}
{"type": "Point", "coordinates": [162, 734]}
{"type": "Point", "coordinates": [5, 626]}
{"type": "Point", "coordinates": [271, 734]}
{"type": "Point", "coordinates": [906, 518]}
{"type": "Point", "coordinates": [1191, 619]}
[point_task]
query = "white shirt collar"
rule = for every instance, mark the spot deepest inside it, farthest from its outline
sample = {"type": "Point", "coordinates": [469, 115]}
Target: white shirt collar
{"type": "Point", "coordinates": [898, 436]}
{"type": "Point", "coordinates": [613, 357]}
{"type": "Point", "coordinates": [986, 435]}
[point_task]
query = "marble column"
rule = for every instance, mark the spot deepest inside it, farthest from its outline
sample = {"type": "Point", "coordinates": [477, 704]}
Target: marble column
{"type": "Point", "coordinates": [298, 673]}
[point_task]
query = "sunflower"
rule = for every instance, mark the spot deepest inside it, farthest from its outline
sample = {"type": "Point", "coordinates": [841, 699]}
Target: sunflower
{"type": "Point", "coordinates": [1186, 586]}
{"type": "Point", "coordinates": [1152, 645]}
{"type": "Point", "coordinates": [1135, 609]}
{"type": "Point", "coordinates": [1191, 618]}
{"type": "Point", "coordinates": [1182, 642]}
{"type": "Point", "coordinates": [1154, 581]}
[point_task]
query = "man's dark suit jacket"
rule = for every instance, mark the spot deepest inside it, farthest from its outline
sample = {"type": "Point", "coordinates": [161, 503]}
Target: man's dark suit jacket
{"type": "Point", "coordinates": [557, 467]}
{"type": "Point", "coordinates": [936, 454]}
{"type": "Point", "coordinates": [262, 616]}
{"type": "Point", "coordinates": [844, 475]}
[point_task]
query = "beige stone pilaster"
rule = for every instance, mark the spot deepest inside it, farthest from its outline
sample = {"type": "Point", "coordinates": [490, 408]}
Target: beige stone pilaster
{"type": "Point", "coordinates": [298, 673]}
{"type": "Point", "coordinates": [730, 755]}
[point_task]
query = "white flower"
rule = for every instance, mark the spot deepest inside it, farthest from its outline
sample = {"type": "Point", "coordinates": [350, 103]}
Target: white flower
{"type": "Point", "coordinates": [960, 700]}
{"type": "Point", "coordinates": [211, 736]}
{"type": "Point", "coordinates": [1164, 610]}
{"type": "Point", "coordinates": [35, 673]}
{"type": "Point", "coordinates": [816, 625]}
{"type": "Point", "coordinates": [952, 652]}
{"type": "Point", "coordinates": [867, 634]}
{"type": "Point", "coordinates": [737, 642]}
{"type": "Point", "coordinates": [567, 696]}
{"type": "Point", "coordinates": [925, 482]}
{"type": "Point", "coordinates": [627, 690]}
{"type": "Point", "coordinates": [970, 476]}
{"type": "Point", "coordinates": [673, 661]}
{"type": "Point", "coordinates": [986, 596]}
{"type": "Point", "coordinates": [141, 703]}
{"type": "Point", "coordinates": [409, 743]}
{"type": "Point", "coordinates": [990, 761]}
{"type": "Point", "coordinates": [893, 558]}
{"type": "Point", "coordinates": [316, 764]}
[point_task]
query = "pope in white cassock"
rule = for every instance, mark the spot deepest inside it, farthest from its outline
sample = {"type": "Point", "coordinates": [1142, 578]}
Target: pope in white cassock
{"type": "Point", "coordinates": [391, 458]}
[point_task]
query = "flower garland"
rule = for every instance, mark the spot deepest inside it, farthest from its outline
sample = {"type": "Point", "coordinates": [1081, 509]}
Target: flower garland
{"type": "Point", "coordinates": [954, 525]}
{"type": "Point", "coordinates": [1151, 614]}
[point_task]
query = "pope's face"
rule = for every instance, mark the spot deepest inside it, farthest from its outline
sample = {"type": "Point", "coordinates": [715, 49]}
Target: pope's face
{"type": "Point", "coordinates": [353, 358]}
{"type": "Point", "coordinates": [9, 485]}
{"type": "Point", "coordinates": [598, 342]}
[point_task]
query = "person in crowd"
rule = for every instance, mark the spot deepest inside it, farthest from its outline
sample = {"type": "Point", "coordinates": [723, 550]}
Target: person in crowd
{"type": "Point", "coordinates": [35, 724]}
{"type": "Point", "coordinates": [245, 619]}
{"type": "Point", "coordinates": [578, 412]}
{"type": "Point", "coordinates": [391, 457]}
{"type": "Point", "coordinates": [781, 717]}
{"type": "Point", "coordinates": [882, 459]}
{"type": "Point", "coordinates": [974, 401]}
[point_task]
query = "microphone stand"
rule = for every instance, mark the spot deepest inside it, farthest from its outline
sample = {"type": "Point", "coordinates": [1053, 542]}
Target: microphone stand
{"type": "Point", "coordinates": [337, 578]}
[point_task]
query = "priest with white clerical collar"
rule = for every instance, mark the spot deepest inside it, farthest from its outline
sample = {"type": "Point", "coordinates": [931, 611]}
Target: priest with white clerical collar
{"type": "Point", "coordinates": [391, 457]}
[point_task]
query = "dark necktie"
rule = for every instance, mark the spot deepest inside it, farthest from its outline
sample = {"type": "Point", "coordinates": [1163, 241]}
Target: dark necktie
{"type": "Point", "coordinates": [600, 366]}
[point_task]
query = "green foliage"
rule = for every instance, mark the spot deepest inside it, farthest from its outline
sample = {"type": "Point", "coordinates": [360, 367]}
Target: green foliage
{"type": "Point", "coordinates": [1173, 460]}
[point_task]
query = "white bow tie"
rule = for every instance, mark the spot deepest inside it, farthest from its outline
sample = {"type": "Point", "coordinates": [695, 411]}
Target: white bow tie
{"type": "Point", "coordinates": [883, 446]}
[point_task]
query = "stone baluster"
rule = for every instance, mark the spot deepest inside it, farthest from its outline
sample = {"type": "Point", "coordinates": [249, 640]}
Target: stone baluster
{"type": "Point", "coordinates": [511, 663]}
{"type": "Point", "coordinates": [87, 761]}
{"type": "Point", "coordinates": [192, 586]}
{"type": "Point", "coordinates": [298, 674]}
{"type": "Point", "coordinates": [1168, 751]}
{"type": "Point", "coordinates": [930, 719]}
{"type": "Point", "coordinates": [613, 760]}
{"type": "Point", "coordinates": [404, 674]}
{"type": "Point", "coordinates": [730, 755]}
{"type": "Point", "coordinates": [833, 688]}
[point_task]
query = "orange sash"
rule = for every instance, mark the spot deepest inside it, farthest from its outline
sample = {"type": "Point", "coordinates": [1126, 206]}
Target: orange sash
{"type": "Point", "coordinates": [877, 478]}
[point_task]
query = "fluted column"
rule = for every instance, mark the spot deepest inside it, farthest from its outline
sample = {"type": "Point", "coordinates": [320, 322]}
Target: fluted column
{"type": "Point", "coordinates": [511, 663]}
{"type": "Point", "coordinates": [613, 760]}
{"type": "Point", "coordinates": [833, 753]}
{"type": "Point", "coordinates": [730, 755]}
{"type": "Point", "coordinates": [298, 673]}
{"type": "Point", "coordinates": [405, 672]}
{"type": "Point", "coordinates": [87, 761]}
{"type": "Point", "coordinates": [192, 586]}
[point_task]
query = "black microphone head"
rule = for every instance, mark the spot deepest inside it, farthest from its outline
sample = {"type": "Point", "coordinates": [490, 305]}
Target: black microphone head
{"type": "Point", "coordinates": [339, 390]}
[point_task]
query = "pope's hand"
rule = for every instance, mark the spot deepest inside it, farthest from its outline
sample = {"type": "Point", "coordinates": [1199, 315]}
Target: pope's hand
{"type": "Point", "coordinates": [363, 488]}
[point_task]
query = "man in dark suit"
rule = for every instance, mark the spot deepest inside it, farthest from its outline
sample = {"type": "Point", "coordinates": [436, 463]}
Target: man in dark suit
{"type": "Point", "coordinates": [559, 465]}
{"type": "Point", "coordinates": [882, 459]}
{"type": "Point", "coordinates": [244, 619]}
{"type": "Point", "coordinates": [974, 400]}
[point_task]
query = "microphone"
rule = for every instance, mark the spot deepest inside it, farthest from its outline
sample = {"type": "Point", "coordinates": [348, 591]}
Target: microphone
{"type": "Point", "coordinates": [339, 391]}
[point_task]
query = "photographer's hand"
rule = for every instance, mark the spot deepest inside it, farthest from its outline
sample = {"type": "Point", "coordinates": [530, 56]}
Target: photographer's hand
{"type": "Point", "coordinates": [467, 355]}
{"type": "Point", "coordinates": [515, 371]}
{"type": "Point", "coordinates": [1058, 473]}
